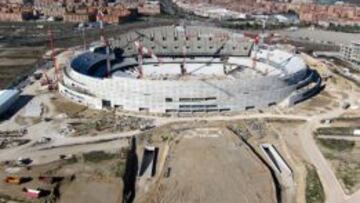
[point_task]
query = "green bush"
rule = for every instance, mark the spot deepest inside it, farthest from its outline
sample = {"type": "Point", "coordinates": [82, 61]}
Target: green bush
{"type": "Point", "coordinates": [98, 156]}
{"type": "Point", "coordinates": [314, 190]}
{"type": "Point", "coordinates": [120, 168]}
{"type": "Point", "coordinates": [337, 145]}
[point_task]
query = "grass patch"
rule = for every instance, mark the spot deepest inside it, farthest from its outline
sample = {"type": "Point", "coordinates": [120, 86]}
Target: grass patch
{"type": "Point", "coordinates": [329, 155]}
{"type": "Point", "coordinates": [336, 130]}
{"type": "Point", "coordinates": [314, 190]}
{"type": "Point", "coordinates": [72, 160]}
{"type": "Point", "coordinates": [98, 156]}
{"type": "Point", "coordinates": [4, 198]}
{"type": "Point", "coordinates": [349, 174]}
{"type": "Point", "coordinates": [343, 156]}
{"type": "Point", "coordinates": [337, 145]}
{"type": "Point", "coordinates": [67, 107]}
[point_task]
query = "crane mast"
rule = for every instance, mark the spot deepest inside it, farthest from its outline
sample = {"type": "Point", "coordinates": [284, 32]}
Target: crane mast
{"type": "Point", "coordinates": [100, 16]}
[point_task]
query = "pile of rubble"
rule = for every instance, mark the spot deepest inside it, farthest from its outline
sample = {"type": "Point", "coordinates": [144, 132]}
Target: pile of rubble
{"type": "Point", "coordinates": [11, 138]}
{"type": "Point", "coordinates": [12, 142]}
{"type": "Point", "coordinates": [13, 133]}
{"type": "Point", "coordinates": [107, 123]}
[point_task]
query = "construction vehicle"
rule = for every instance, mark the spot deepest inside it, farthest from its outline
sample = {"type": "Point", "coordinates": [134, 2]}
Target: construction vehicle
{"type": "Point", "coordinates": [13, 180]}
{"type": "Point", "coordinates": [35, 193]}
{"type": "Point", "coordinates": [16, 180]}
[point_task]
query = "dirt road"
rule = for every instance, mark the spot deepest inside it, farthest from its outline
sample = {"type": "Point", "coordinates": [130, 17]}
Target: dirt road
{"type": "Point", "coordinates": [333, 190]}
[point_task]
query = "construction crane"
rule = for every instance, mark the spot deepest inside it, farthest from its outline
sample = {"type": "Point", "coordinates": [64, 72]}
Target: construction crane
{"type": "Point", "coordinates": [51, 84]}
{"type": "Point", "coordinates": [84, 38]}
{"type": "Point", "coordinates": [142, 50]}
{"type": "Point", "coordinates": [99, 18]}
{"type": "Point", "coordinates": [182, 65]}
{"type": "Point", "coordinates": [258, 39]}
{"type": "Point", "coordinates": [46, 80]}
{"type": "Point", "coordinates": [53, 58]}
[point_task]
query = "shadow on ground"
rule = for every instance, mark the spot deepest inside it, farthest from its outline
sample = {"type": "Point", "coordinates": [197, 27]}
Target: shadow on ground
{"type": "Point", "coordinates": [20, 103]}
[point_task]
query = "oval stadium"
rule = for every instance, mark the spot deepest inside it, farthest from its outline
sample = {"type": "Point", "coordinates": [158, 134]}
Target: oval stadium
{"type": "Point", "coordinates": [186, 69]}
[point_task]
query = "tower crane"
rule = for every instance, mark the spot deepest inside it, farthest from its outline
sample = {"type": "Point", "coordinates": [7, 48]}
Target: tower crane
{"type": "Point", "coordinates": [99, 18]}
{"type": "Point", "coordinates": [142, 50]}
{"type": "Point", "coordinates": [50, 83]}
{"type": "Point", "coordinates": [258, 39]}
{"type": "Point", "coordinates": [182, 65]}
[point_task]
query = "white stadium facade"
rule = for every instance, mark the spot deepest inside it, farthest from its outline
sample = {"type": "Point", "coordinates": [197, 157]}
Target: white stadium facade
{"type": "Point", "coordinates": [188, 69]}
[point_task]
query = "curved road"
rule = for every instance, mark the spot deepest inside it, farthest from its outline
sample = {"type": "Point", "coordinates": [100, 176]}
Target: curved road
{"type": "Point", "coordinates": [333, 190]}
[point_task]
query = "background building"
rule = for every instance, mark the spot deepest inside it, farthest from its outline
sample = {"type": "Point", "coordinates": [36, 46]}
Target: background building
{"type": "Point", "coordinates": [351, 52]}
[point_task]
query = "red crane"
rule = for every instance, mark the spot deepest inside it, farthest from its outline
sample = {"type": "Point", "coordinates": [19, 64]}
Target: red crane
{"type": "Point", "coordinates": [256, 43]}
{"type": "Point", "coordinates": [99, 18]}
{"type": "Point", "coordinates": [53, 58]}
{"type": "Point", "coordinates": [257, 38]}
{"type": "Point", "coordinates": [142, 50]}
{"type": "Point", "coordinates": [51, 84]}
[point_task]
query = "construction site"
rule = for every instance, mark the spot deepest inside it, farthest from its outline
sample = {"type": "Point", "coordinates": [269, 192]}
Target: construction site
{"type": "Point", "coordinates": [186, 70]}
{"type": "Point", "coordinates": [180, 113]}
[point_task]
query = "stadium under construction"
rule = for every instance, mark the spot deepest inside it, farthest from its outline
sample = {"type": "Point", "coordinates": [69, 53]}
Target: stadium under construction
{"type": "Point", "coordinates": [178, 69]}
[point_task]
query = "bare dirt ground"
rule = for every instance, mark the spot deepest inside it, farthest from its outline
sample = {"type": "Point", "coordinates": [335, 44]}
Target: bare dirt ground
{"type": "Point", "coordinates": [85, 191]}
{"type": "Point", "coordinates": [71, 109]}
{"type": "Point", "coordinates": [95, 178]}
{"type": "Point", "coordinates": [212, 165]}
{"type": "Point", "coordinates": [288, 145]}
